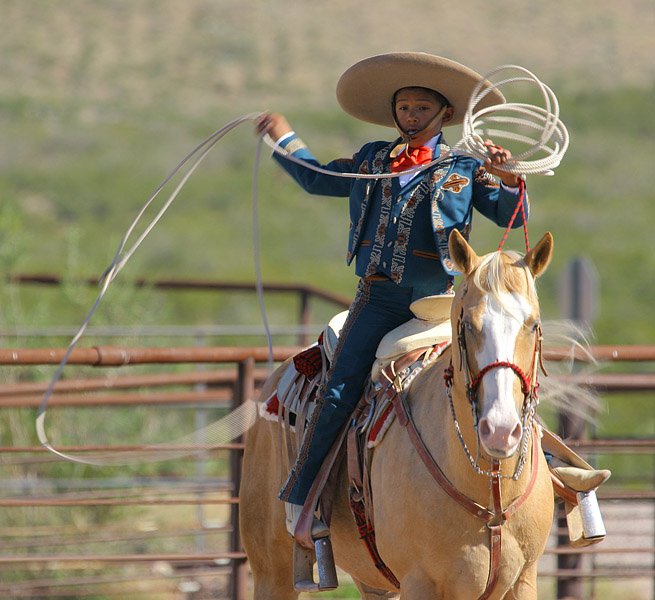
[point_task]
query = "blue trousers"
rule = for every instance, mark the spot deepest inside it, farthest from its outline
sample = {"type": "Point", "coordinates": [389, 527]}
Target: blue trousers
{"type": "Point", "coordinates": [379, 307]}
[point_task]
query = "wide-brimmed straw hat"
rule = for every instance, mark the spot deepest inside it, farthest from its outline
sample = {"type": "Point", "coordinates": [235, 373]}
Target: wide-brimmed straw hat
{"type": "Point", "coordinates": [366, 89]}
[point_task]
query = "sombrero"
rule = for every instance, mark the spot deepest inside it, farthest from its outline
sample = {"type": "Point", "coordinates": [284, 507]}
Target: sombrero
{"type": "Point", "coordinates": [366, 89]}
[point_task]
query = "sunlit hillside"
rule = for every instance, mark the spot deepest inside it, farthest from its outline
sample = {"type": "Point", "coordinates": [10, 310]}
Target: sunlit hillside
{"type": "Point", "coordinates": [99, 100]}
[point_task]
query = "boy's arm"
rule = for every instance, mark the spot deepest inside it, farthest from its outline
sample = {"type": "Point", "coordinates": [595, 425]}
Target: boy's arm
{"type": "Point", "coordinates": [278, 128]}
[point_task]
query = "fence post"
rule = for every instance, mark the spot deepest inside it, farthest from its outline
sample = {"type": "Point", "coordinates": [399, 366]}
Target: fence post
{"type": "Point", "coordinates": [245, 391]}
{"type": "Point", "coordinates": [578, 302]}
{"type": "Point", "coordinates": [304, 317]}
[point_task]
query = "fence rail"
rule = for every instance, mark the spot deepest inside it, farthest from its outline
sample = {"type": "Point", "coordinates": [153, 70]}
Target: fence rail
{"type": "Point", "coordinates": [228, 386]}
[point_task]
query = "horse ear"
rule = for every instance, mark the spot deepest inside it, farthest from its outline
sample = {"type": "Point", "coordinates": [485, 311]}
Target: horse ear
{"type": "Point", "coordinates": [539, 257]}
{"type": "Point", "coordinates": [463, 256]}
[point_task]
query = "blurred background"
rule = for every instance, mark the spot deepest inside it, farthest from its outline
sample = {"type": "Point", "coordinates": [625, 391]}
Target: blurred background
{"type": "Point", "coordinates": [100, 99]}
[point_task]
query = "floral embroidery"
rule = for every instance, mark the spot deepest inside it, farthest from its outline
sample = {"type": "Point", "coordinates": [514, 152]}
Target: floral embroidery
{"type": "Point", "coordinates": [483, 177]}
{"type": "Point", "coordinates": [385, 211]}
{"type": "Point", "coordinates": [363, 169]}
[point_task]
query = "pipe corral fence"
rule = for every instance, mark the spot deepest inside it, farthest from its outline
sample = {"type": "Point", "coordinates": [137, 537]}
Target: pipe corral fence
{"type": "Point", "coordinates": [146, 531]}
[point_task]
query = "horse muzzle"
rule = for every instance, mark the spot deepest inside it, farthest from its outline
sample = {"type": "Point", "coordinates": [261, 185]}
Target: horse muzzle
{"type": "Point", "coordinates": [499, 439]}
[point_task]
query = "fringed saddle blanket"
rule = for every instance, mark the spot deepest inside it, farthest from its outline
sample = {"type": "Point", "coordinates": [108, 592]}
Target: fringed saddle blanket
{"type": "Point", "coordinates": [297, 387]}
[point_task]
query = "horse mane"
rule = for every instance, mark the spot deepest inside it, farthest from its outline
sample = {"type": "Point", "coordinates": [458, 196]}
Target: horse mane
{"type": "Point", "coordinates": [571, 397]}
{"type": "Point", "coordinates": [493, 276]}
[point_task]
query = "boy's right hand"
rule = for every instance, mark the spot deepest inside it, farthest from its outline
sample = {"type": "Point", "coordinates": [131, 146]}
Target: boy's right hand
{"type": "Point", "coordinates": [273, 124]}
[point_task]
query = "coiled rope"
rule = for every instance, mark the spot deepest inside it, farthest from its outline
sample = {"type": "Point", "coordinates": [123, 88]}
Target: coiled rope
{"type": "Point", "coordinates": [553, 141]}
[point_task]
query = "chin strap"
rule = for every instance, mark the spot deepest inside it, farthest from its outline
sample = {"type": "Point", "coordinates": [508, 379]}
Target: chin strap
{"type": "Point", "coordinates": [405, 136]}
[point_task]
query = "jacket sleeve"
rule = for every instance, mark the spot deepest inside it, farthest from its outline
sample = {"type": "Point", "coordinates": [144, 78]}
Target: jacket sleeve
{"type": "Point", "coordinates": [497, 203]}
{"type": "Point", "coordinates": [311, 181]}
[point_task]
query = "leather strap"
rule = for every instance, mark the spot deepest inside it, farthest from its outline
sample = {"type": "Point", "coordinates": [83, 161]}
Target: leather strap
{"type": "Point", "coordinates": [303, 532]}
{"type": "Point", "coordinates": [495, 546]}
{"type": "Point", "coordinates": [566, 494]}
{"type": "Point", "coordinates": [405, 418]}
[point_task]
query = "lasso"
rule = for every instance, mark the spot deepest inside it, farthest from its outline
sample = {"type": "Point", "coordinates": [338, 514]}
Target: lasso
{"type": "Point", "coordinates": [553, 141]}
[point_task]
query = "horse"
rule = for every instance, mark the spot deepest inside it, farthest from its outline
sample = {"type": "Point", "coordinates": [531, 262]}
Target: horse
{"type": "Point", "coordinates": [473, 411]}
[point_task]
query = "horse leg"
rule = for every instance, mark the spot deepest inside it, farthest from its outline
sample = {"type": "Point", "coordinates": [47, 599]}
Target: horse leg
{"type": "Point", "coordinates": [262, 519]}
{"type": "Point", "coordinates": [369, 593]}
{"type": "Point", "coordinates": [269, 549]}
{"type": "Point", "coordinates": [525, 587]}
{"type": "Point", "coordinates": [270, 556]}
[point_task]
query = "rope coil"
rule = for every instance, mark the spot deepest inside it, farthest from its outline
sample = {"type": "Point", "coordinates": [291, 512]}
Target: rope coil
{"type": "Point", "coordinates": [552, 142]}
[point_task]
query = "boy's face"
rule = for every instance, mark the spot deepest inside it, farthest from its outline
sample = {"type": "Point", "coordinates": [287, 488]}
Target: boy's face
{"type": "Point", "coordinates": [416, 110]}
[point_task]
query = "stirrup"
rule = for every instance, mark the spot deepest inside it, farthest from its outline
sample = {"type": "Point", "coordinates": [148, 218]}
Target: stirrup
{"type": "Point", "coordinates": [303, 567]}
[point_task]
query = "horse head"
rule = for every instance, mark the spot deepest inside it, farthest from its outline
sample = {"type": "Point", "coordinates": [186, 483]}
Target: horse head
{"type": "Point", "coordinates": [498, 335]}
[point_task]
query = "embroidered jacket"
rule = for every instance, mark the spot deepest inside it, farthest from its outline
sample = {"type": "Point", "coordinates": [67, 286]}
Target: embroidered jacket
{"type": "Point", "coordinates": [403, 232]}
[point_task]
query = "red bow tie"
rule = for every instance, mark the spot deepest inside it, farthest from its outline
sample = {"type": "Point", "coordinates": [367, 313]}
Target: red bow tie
{"type": "Point", "coordinates": [410, 157]}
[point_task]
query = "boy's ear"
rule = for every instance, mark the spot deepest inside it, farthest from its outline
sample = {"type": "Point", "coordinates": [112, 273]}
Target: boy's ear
{"type": "Point", "coordinates": [448, 114]}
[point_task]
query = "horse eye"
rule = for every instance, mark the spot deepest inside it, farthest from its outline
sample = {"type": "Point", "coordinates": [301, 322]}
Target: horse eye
{"type": "Point", "coordinates": [532, 325]}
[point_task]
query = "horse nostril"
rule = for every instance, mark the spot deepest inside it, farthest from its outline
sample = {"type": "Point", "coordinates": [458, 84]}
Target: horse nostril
{"type": "Point", "coordinates": [484, 429]}
{"type": "Point", "coordinates": [516, 433]}
{"type": "Point", "coordinates": [499, 437]}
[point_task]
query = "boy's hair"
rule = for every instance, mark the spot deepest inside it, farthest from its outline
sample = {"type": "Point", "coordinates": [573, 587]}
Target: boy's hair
{"type": "Point", "coordinates": [440, 98]}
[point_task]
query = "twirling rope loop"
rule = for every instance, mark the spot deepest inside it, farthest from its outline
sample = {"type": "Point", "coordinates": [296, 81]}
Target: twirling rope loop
{"type": "Point", "coordinates": [553, 138]}
{"type": "Point", "coordinates": [553, 141]}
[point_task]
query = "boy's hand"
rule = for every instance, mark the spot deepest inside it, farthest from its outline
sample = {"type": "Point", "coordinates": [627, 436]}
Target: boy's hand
{"type": "Point", "coordinates": [498, 156]}
{"type": "Point", "coordinates": [274, 124]}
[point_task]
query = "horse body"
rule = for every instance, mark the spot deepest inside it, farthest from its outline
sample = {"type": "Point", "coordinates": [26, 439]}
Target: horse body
{"type": "Point", "coordinates": [435, 547]}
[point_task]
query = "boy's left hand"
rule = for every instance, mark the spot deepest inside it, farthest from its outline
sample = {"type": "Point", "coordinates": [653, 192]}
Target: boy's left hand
{"type": "Point", "coordinates": [497, 157]}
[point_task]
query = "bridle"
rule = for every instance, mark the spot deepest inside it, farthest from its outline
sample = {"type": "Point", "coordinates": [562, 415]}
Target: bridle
{"type": "Point", "coordinates": [529, 388]}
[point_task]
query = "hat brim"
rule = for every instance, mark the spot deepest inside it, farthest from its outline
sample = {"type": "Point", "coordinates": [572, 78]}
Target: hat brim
{"type": "Point", "coordinates": [366, 89]}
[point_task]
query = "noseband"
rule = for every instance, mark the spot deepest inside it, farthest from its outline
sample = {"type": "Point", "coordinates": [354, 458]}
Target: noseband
{"type": "Point", "coordinates": [529, 388]}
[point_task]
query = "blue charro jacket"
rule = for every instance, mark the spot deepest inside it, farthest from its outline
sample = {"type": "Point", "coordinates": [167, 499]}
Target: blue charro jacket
{"type": "Point", "coordinates": [388, 232]}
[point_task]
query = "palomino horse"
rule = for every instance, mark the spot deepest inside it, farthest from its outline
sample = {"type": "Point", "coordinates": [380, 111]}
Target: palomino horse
{"type": "Point", "coordinates": [480, 531]}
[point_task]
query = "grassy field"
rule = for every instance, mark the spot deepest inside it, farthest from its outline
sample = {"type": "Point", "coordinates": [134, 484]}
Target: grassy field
{"type": "Point", "coordinates": [98, 102]}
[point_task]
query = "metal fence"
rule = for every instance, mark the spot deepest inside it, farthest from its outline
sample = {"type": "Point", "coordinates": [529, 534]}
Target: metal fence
{"type": "Point", "coordinates": [66, 556]}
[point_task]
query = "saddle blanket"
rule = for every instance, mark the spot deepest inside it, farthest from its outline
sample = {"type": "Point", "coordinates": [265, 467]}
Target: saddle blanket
{"type": "Point", "coordinates": [300, 381]}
